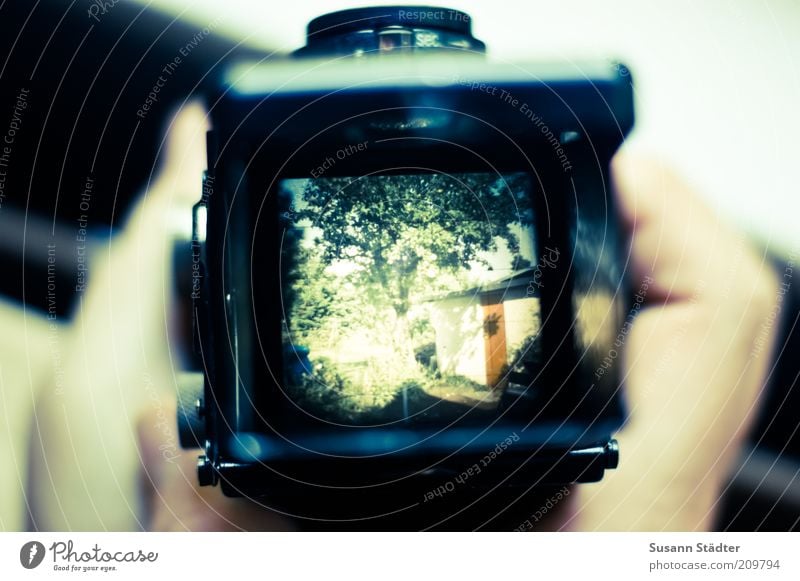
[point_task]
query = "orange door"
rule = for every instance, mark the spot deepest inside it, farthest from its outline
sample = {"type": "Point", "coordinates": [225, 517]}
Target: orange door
{"type": "Point", "coordinates": [494, 341]}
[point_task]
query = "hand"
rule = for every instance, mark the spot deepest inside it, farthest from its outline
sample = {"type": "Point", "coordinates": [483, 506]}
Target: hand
{"type": "Point", "coordinates": [173, 501]}
{"type": "Point", "coordinates": [693, 366]}
{"type": "Point", "coordinates": [694, 363]}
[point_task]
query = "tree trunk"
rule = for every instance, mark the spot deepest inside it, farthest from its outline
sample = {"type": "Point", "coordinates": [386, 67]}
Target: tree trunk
{"type": "Point", "coordinates": [401, 340]}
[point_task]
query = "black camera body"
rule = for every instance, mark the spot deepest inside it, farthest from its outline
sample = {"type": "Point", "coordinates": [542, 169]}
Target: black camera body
{"type": "Point", "coordinates": [407, 275]}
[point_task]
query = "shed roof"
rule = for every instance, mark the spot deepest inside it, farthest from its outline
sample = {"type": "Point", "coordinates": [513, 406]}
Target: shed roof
{"type": "Point", "coordinates": [516, 279]}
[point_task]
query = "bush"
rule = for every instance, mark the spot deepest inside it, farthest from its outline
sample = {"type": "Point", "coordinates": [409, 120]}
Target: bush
{"type": "Point", "coordinates": [426, 356]}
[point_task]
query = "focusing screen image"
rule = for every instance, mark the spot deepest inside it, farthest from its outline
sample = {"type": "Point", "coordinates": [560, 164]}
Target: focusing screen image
{"type": "Point", "coordinates": [408, 298]}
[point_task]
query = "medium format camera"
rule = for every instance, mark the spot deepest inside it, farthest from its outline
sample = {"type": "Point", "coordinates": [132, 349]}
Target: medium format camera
{"type": "Point", "coordinates": [407, 277]}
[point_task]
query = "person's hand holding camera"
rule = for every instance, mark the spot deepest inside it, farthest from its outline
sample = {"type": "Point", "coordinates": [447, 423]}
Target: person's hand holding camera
{"type": "Point", "coordinates": [694, 363]}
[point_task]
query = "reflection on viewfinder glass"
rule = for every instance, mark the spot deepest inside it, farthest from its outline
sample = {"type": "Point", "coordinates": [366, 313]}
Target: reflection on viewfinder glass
{"type": "Point", "coordinates": [408, 298]}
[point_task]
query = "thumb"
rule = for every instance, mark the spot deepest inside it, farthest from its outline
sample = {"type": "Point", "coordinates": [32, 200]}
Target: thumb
{"type": "Point", "coordinates": [183, 157]}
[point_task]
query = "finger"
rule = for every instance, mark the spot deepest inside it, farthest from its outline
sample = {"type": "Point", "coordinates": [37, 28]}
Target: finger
{"type": "Point", "coordinates": [183, 158]}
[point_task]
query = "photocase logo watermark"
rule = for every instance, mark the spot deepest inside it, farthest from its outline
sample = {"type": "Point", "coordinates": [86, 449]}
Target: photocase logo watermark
{"type": "Point", "coordinates": [473, 470]}
{"type": "Point", "coordinates": [417, 14]}
{"type": "Point", "coordinates": [197, 245]}
{"type": "Point", "coordinates": [32, 554]}
{"type": "Point", "coordinates": [622, 336]}
{"type": "Point", "coordinates": [171, 67]}
{"type": "Point", "coordinates": [767, 326]}
{"type": "Point", "coordinates": [81, 235]}
{"type": "Point", "coordinates": [341, 154]}
{"type": "Point", "coordinates": [548, 260]}
{"type": "Point", "coordinates": [10, 137]}
{"type": "Point", "coordinates": [505, 96]}
{"type": "Point", "coordinates": [100, 8]}
{"type": "Point", "coordinates": [67, 557]}
{"type": "Point", "coordinates": [169, 447]}
{"type": "Point", "coordinates": [548, 505]}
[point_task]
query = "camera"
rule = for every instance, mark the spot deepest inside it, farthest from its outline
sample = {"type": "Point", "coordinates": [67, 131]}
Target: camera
{"type": "Point", "coordinates": [407, 277]}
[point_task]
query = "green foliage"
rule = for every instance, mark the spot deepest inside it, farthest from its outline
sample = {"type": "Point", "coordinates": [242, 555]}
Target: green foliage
{"type": "Point", "coordinates": [459, 383]}
{"type": "Point", "coordinates": [323, 393]}
{"type": "Point", "coordinates": [315, 300]}
{"type": "Point", "coordinates": [353, 395]}
{"type": "Point", "coordinates": [527, 355]}
{"type": "Point", "coordinates": [404, 230]}
{"type": "Point", "coordinates": [381, 394]}
{"type": "Point", "coordinates": [425, 356]}
{"type": "Point", "coordinates": [401, 239]}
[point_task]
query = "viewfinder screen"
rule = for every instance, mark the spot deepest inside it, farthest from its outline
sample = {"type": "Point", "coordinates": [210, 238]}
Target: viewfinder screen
{"type": "Point", "coordinates": [408, 298]}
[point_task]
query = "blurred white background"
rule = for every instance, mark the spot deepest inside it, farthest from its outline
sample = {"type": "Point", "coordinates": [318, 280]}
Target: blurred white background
{"type": "Point", "coordinates": [717, 81]}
